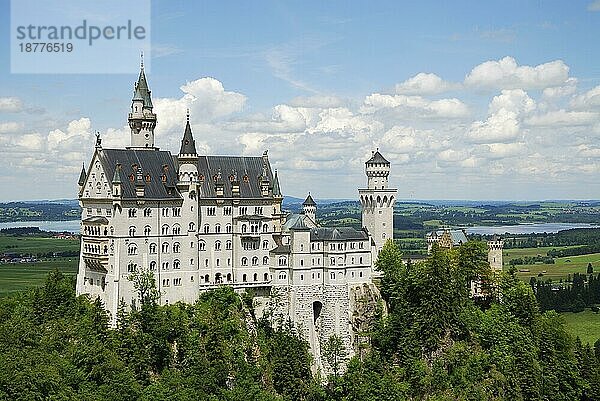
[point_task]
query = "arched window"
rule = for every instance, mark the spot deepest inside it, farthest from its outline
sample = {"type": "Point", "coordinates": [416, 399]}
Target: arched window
{"type": "Point", "coordinates": [229, 277]}
{"type": "Point", "coordinates": [217, 245]}
{"type": "Point", "coordinates": [206, 278]}
{"type": "Point", "coordinates": [265, 244]}
{"type": "Point", "coordinates": [192, 226]}
{"type": "Point", "coordinates": [341, 261]}
{"type": "Point", "coordinates": [132, 231]}
{"type": "Point", "coordinates": [132, 212]}
{"type": "Point", "coordinates": [228, 228]}
{"type": "Point", "coordinates": [132, 249]}
{"type": "Point", "coordinates": [202, 245]}
{"type": "Point", "coordinates": [265, 228]}
{"type": "Point", "coordinates": [153, 266]}
{"type": "Point", "coordinates": [165, 247]}
{"type": "Point", "coordinates": [165, 230]}
{"type": "Point", "coordinates": [176, 229]}
{"type": "Point", "coordinates": [282, 275]}
{"type": "Point", "coordinates": [176, 264]}
{"type": "Point", "coordinates": [147, 230]}
{"type": "Point", "coordinates": [265, 260]}
{"type": "Point", "coordinates": [176, 247]}
{"type": "Point", "coordinates": [282, 261]}
{"type": "Point", "coordinates": [147, 212]}
{"type": "Point", "coordinates": [360, 260]}
{"type": "Point", "coordinates": [255, 261]}
{"type": "Point", "coordinates": [131, 267]}
{"type": "Point", "coordinates": [244, 261]}
{"type": "Point", "coordinates": [244, 229]}
{"type": "Point", "coordinates": [206, 228]}
{"type": "Point", "coordinates": [244, 278]}
{"type": "Point", "coordinates": [217, 228]}
{"type": "Point", "coordinates": [228, 245]}
{"type": "Point", "coordinates": [255, 277]}
{"type": "Point", "coordinates": [153, 248]}
{"type": "Point", "coordinates": [266, 277]}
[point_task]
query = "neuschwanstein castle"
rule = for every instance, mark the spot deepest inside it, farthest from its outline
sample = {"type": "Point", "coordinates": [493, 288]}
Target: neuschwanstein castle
{"type": "Point", "coordinates": [201, 221]}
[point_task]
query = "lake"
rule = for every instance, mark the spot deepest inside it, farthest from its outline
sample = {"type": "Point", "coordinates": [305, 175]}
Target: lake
{"type": "Point", "coordinates": [527, 228]}
{"type": "Point", "coordinates": [71, 226]}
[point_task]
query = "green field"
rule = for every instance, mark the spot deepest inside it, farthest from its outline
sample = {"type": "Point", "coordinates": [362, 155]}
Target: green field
{"type": "Point", "coordinates": [36, 245]}
{"type": "Point", "coordinates": [585, 324]}
{"type": "Point", "coordinates": [561, 268]}
{"type": "Point", "coordinates": [21, 276]}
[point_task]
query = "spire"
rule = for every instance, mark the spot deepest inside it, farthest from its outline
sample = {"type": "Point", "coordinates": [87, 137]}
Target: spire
{"type": "Point", "coordinates": [276, 189]}
{"type": "Point", "coordinates": [188, 145]}
{"type": "Point", "coordinates": [309, 201]}
{"type": "Point", "coordinates": [142, 91]}
{"type": "Point", "coordinates": [117, 176]}
{"type": "Point", "coordinates": [82, 176]}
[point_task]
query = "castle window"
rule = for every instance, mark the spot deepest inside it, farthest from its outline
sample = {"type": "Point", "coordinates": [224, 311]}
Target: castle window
{"type": "Point", "coordinates": [265, 245]}
{"type": "Point", "coordinates": [165, 282]}
{"type": "Point", "coordinates": [147, 230]}
{"type": "Point", "coordinates": [176, 264]}
{"type": "Point", "coordinates": [176, 212]}
{"type": "Point", "coordinates": [176, 229]}
{"type": "Point", "coordinates": [132, 249]}
{"type": "Point", "coordinates": [217, 228]}
{"type": "Point", "coordinates": [258, 210]}
{"type": "Point", "coordinates": [360, 245]}
{"type": "Point", "coordinates": [227, 211]}
{"type": "Point", "coordinates": [218, 278]}
{"type": "Point", "coordinates": [131, 267]}
{"type": "Point", "coordinates": [132, 231]}
{"type": "Point", "coordinates": [255, 277]}
{"type": "Point", "coordinates": [165, 266]}
{"type": "Point", "coordinates": [229, 277]}
{"type": "Point", "coordinates": [332, 276]}
{"type": "Point", "coordinates": [163, 178]}
{"type": "Point", "coordinates": [192, 262]}
{"type": "Point", "coordinates": [332, 261]}
{"type": "Point", "coordinates": [153, 266]}
{"type": "Point", "coordinates": [265, 260]}
{"type": "Point", "coordinates": [228, 228]}
{"type": "Point", "coordinates": [245, 178]}
{"type": "Point", "coordinates": [206, 229]}
{"type": "Point", "coordinates": [244, 261]}
{"type": "Point", "coordinates": [332, 247]}
{"type": "Point", "coordinates": [147, 177]}
{"type": "Point", "coordinates": [131, 212]}
{"type": "Point", "coordinates": [244, 278]}
{"type": "Point", "coordinates": [255, 261]}
{"type": "Point", "coordinates": [201, 178]}
{"type": "Point", "coordinates": [191, 227]}
{"type": "Point", "coordinates": [301, 262]}
{"type": "Point", "coordinates": [205, 262]}
{"type": "Point", "coordinates": [210, 211]}
{"type": "Point", "coordinates": [228, 245]}
{"type": "Point", "coordinates": [165, 230]}
{"type": "Point", "coordinates": [265, 228]}
{"type": "Point", "coordinates": [202, 245]}
{"type": "Point", "coordinates": [176, 247]}
{"type": "Point", "coordinates": [206, 278]}
{"type": "Point", "coordinates": [218, 262]}
{"type": "Point", "coordinates": [360, 274]}
{"type": "Point", "coordinates": [165, 212]}
{"type": "Point", "coordinates": [282, 261]}
{"type": "Point", "coordinates": [244, 228]}
{"type": "Point", "coordinates": [229, 262]}
{"type": "Point", "coordinates": [282, 275]}
{"type": "Point", "coordinates": [165, 247]}
{"type": "Point", "coordinates": [217, 245]}
{"type": "Point", "coordinates": [243, 210]}
{"type": "Point", "coordinates": [152, 248]}
{"type": "Point", "coordinates": [360, 260]}
{"type": "Point", "coordinates": [177, 281]}
{"type": "Point", "coordinates": [302, 277]}
{"type": "Point", "coordinates": [266, 277]}
{"type": "Point", "coordinates": [147, 212]}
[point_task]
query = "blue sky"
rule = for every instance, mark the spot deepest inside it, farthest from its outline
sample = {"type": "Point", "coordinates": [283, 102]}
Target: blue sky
{"type": "Point", "coordinates": [320, 84]}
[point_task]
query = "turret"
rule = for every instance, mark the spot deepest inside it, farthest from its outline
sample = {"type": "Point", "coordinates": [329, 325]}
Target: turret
{"type": "Point", "coordinates": [116, 182]}
{"type": "Point", "coordinates": [309, 208]}
{"type": "Point", "coordinates": [142, 120]}
{"type": "Point", "coordinates": [264, 177]}
{"type": "Point", "coordinates": [377, 169]}
{"type": "Point", "coordinates": [188, 158]}
{"type": "Point", "coordinates": [495, 247]}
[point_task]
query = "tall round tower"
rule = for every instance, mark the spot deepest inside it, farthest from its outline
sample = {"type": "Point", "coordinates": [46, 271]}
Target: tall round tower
{"type": "Point", "coordinates": [377, 201]}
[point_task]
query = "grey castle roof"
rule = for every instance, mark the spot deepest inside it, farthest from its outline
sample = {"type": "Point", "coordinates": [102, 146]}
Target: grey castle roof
{"type": "Point", "coordinates": [309, 201]}
{"type": "Point", "coordinates": [296, 221]}
{"type": "Point", "coordinates": [188, 145]}
{"type": "Point", "coordinates": [458, 237]}
{"type": "Point", "coordinates": [153, 163]}
{"type": "Point", "coordinates": [377, 158]}
{"type": "Point", "coordinates": [337, 234]}
{"type": "Point", "coordinates": [247, 171]}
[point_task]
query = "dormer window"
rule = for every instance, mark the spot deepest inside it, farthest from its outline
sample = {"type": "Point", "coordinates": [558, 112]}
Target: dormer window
{"type": "Point", "coordinates": [201, 178]}
{"type": "Point", "coordinates": [134, 167]}
{"type": "Point", "coordinates": [245, 178]}
{"type": "Point", "coordinates": [163, 178]}
{"type": "Point", "coordinates": [147, 177]}
{"type": "Point", "coordinates": [131, 177]}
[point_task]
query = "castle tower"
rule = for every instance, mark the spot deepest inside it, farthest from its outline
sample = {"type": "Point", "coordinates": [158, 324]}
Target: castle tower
{"type": "Point", "coordinates": [377, 201]}
{"type": "Point", "coordinates": [188, 158]}
{"type": "Point", "coordinates": [141, 119]}
{"type": "Point", "coordinates": [309, 208]}
{"type": "Point", "coordinates": [495, 246]}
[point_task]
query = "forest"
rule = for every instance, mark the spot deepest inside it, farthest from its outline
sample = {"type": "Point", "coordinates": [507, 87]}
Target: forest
{"type": "Point", "coordinates": [430, 341]}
